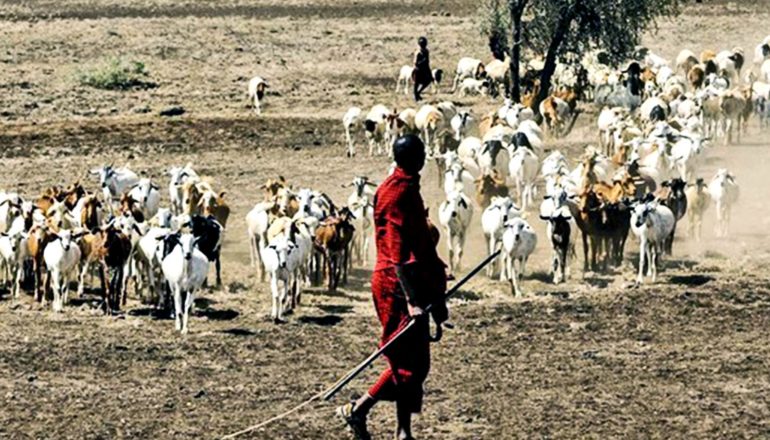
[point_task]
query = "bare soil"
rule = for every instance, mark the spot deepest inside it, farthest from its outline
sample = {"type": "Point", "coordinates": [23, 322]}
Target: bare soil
{"type": "Point", "coordinates": [686, 357]}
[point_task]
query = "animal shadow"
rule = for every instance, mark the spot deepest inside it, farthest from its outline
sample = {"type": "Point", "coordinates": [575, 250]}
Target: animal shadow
{"type": "Point", "coordinates": [218, 315]}
{"type": "Point", "coordinates": [238, 332]}
{"type": "Point", "coordinates": [691, 280]}
{"type": "Point", "coordinates": [324, 321]}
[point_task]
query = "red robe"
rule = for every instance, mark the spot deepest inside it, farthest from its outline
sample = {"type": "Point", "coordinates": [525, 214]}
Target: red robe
{"type": "Point", "coordinates": [403, 238]}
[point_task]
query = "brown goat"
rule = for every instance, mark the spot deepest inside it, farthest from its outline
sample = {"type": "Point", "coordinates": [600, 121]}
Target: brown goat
{"type": "Point", "coordinates": [490, 185]}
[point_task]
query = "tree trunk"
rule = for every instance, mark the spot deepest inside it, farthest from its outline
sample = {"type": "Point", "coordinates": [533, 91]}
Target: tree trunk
{"type": "Point", "coordinates": [560, 33]}
{"type": "Point", "coordinates": [516, 9]}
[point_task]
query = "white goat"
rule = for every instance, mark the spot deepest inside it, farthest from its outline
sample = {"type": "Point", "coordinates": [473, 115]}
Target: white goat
{"type": "Point", "coordinates": [493, 219]}
{"type": "Point", "coordinates": [467, 68]}
{"type": "Point", "coordinates": [13, 253]}
{"type": "Point", "coordinates": [185, 268]}
{"type": "Point", "coordinates": [115, 181]}
{"type": "Point", "coordinates": [454, 214]}
{"type": "Point", "coordinates": [360, 204]}
{"type": "Point", "coordinates": [472, 86]}
{"type": "Point", "coordinates": [519, 241]}
{"type": "Point", "coordinates": [147, 196]}
{"type": "Point", "coordinates": [522, 168]}
{"type": "Point", "coordinates": [281, 262]}
{"type": "Point", "coordinates": [178, 176]}
{"type": "Point", "coordinates": [350, 119]}
{"type": "Point", "coordinates": [652, 223]}
{"type": "Point", "coordinates": [257, 87]}
{"type": "Point", "coordinates": [724, 192]}
{"type": "Point", "coordinates": [61, 257]}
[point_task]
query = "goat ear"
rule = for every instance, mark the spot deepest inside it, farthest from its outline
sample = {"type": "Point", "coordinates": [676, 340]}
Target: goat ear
{"type": "Point", "coordinates": [155, 187]}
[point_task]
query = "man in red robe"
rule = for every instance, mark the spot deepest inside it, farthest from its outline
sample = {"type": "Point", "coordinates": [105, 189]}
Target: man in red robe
{"type": "Point", "coordinates": [408, 276]}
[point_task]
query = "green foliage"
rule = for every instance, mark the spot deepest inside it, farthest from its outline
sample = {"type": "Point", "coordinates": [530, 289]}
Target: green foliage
{"type": "Point", "coordinates": [615, 26]}
{"type": "Point", "coordinates": [116, 74]}
{"type": "Point", "coordinates": [495, 25]}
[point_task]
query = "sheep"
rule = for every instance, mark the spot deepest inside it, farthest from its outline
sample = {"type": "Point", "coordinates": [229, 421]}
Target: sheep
{"type": "Point", "coordinates": [698, 201]}
{"type": "Point", "coordinates": [280, 258]}
{"type": "Point", "coordinates": [493, 219]}
{"type": "Point", "coordinates": [405, 79]}
{"type": "Point", "coordinates": [61, 258]}
{"type": "Point", "coordinates": [179, 176]}
{"type": "Point", "coordinates": [376, 128]}
{"type": "Point", "coordinates": [185, 268]}
{"type": "Point", "coordinates": [429, 120]}
{"type": "Point", "coordinates": [652, 223]}
{"type": "Point", "coordinates": [471, 86]}
{"type": "Point", "coordinates": [257, 87]}
{"type": "Point", "coordinates": [350, 119]}
{"type": "Point", "coordinates": [497, 72]}
{"type": "Point", "coordinates": [468, 68]}
{"type": "Point", "coordinates": [519, 241]}
{"type": "Point", "coordinates": [454, 214]}
{"type": "Point", "coordinates": [115, 181]}
{"type": "Point", "coordinates": [522, 168]}
{"type": "Point", "coordinates": [724, 191]}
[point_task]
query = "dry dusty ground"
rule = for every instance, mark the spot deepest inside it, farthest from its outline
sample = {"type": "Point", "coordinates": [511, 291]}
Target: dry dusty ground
{"type": "Point", "coordinates": [593, 358]}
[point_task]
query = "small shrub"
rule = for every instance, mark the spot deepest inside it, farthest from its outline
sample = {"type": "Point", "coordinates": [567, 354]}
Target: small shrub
{"type": "Point", "coordinates": [116, 74]}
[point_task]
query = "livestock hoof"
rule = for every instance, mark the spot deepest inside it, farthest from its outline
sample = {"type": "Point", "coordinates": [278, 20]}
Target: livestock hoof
{"type": "Point", "coordinates": [279, 321]}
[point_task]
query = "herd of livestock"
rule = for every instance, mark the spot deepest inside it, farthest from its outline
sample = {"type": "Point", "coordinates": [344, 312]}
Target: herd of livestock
{"type": "Point", "coordinates": [655, 125]}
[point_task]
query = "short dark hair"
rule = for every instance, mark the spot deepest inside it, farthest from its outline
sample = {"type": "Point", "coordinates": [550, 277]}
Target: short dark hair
{"type": "Point", "coordinates": [409, 153]}
{"type": "Point", "coordinates": [422, 41]}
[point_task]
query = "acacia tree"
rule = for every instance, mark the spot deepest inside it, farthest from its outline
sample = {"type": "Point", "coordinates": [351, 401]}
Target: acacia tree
{"type": "Point", "coordinates": [557, 27]}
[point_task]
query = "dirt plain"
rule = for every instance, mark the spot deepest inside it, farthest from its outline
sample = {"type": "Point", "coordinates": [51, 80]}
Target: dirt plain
{"type": "Point", "coordinates": [686, 357]}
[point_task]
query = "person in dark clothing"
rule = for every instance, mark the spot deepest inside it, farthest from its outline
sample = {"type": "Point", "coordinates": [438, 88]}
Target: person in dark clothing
{"type": "Point", "coordinates": [408, 276]}
{"type": "Point", "coordinates": [422, 73]}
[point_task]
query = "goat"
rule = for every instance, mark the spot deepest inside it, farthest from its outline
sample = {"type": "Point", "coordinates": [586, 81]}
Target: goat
{"type": "Point", "coordinates": [13, 254]}
{"type": "Point", "coordinates": [61, 257]}
{"type": "Point", "coordinates": [671, 195]}
{"type": "Point", "coordinates": [147, 196]}
{"type": "Point", "coordinates": [115, 181]}
{"type": "Point", "coordinates": [332, 240]}
{"type": "Point", "coordinates": [519, 241]}
{"type": "Point", "coordinates": [490, 185]}
{"type": "Point", "coordinates": [522, 167]}
{"type": "Point", "coordinates": [179, 176]}
{"type": "Point", "coordinates": [359, 203]}
{"type": "Point", "coordinates": [559, 230]}
{"type": "Point", "coordinates": [350, 119]}
{"type": "Point", "coordinates": [493, 219]}
{"type": "Point", "coordinates": [454, 214]}
{"type": "Point", "coordinates": [208, 233]}
{"type": "Point", "coordinates": [724, 192]}
{"type": "Point", "coordinates": [652, 223]}
{"type": "Point", "coordinates": [468, 68]}
{"type": "Point", "coordinates": [698, 201]}
{"type": "Point", "coordinates": [280, 260]}
{"type": "Point", "coordinates": [185, 268]}
{"type": "Point", "coordinates": [257, 87]}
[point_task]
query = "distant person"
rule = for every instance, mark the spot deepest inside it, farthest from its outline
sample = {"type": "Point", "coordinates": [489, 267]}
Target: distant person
{"type": "Point", "coordinates": [422, 73]}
